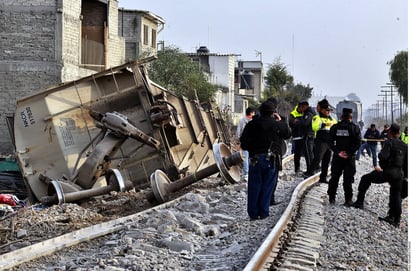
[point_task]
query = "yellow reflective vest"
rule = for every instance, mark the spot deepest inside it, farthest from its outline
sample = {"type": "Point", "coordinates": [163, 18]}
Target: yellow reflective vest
{"type": "Point", "coordinates": [321, 125]}
{"type": "Point", "coordinates": [404, 138]}
{"type": "Point", "coordinates": [295, 113]}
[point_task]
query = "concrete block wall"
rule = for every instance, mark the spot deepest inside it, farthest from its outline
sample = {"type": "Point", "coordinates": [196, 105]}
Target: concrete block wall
{"type": "Point", "coordinates": [41, 47]}
{"type": "Point", "coordinates": [129, 29]}
{"type": "Point", "coordinates": [27, 55]}
{"type": "Point", "coordinates": [116, 44]}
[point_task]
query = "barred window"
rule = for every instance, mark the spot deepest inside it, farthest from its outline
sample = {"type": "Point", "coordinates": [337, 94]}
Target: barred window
{"type": "Point", "coordinates": [154, 38]}
{"type": "Point", "coordinates": [145, 34]}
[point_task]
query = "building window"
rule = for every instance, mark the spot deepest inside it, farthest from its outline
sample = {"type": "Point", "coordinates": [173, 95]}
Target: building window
{"type": "Point", "coordinates": [153, 38]}
{"type": "Point", "coordinates": [94, 18]}
{"type": "Point", "coordinates": [145, 35]}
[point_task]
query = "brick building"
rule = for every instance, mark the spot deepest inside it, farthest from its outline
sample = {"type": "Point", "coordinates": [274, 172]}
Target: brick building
{"type": "Point", "coordinates": [46, 42]}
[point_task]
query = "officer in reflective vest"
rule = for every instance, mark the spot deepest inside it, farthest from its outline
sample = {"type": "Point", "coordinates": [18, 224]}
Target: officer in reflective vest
{"type": "Point", "coordinates": [321, 124]}
{"type": "Point", "coordinates": [300, 121]}
{"type": "Point", "coordinates": [404, 135]}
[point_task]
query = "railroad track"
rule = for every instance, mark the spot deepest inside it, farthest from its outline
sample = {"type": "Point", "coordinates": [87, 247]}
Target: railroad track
{"type": "Point", "coordinates": [206, 236]}
{"type": "Point", "coordinates": [71, 239]}
{"type": "Point", "coordinates": [299, 229]}
{"type": "Point", "coordinates": [314, 235]}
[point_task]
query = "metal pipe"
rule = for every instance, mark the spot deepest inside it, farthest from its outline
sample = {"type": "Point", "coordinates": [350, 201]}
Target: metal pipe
{"type": "Point", "coordinates": [230, 161]}
{"type": "Point", "coordinates": [84, 194]}
{"type": "Point", "coordinates": [115, 184]}
{"type": "Point", "coordinates": [225, 160]}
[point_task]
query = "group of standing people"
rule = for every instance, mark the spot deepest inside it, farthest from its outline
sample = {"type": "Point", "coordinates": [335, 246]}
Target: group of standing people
{"type": "Point", "coordinates": [319, 137]}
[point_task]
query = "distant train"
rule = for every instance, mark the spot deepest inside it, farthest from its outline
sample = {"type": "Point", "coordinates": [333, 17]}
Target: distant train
{"type": "Point", "coordinates": [353, 102]}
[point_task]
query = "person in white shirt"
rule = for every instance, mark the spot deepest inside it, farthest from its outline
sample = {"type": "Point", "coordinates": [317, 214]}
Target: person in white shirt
{"type": "Point", "coordinates": [250, 112]}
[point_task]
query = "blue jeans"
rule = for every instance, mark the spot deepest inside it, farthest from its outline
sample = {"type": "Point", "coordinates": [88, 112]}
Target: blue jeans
{"type": "Point", "coordinates": [364, 146]}
{"type": "Point", "coordinates": [261, 183]}
{"type": "Point", "coordinates": [245, 162]}
{"type": "Point", "coordinates": [370, 149]}
{"type": "Point", "coordinates": [373, 148]}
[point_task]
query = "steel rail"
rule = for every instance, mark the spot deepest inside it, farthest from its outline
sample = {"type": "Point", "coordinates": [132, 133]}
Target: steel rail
{"type": "Point", "coordinates": [25, 254]}
{"type": "Point", "coordinates": [49, 246]}
{"type": "Point", "coordinates": [260, 257]}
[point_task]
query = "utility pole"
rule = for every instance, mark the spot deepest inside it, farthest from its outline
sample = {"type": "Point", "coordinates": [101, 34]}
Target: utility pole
{"type": "Point", "coordinates": [385, 101]}
{"type": "Point", "coordinates": [389, 85]}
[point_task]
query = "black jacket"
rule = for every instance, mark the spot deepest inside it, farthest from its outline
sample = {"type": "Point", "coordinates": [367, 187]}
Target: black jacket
{"type": "Point", "coordinates": [344, 136]}
{"type": "Point", "coordinates": [264, 132]}
{"type": "Point", "coordinates": [301, 126]}
{"type": "Point", "coordinates": [394, 156]}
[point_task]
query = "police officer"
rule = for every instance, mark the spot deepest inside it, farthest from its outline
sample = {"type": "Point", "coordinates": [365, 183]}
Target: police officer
{"type": "Point", "coordinates": [404, 135]}
{"type": "Point", "coordinates": [300, 121]}
{"type": "Point", "coordinates": [262, 138]}
{"type": "Point", "coordinates": [344, 141]}
{"type": "Point", "coordinates": [321, 124]}
{"type": "Point", "coordinates": [393, 168]}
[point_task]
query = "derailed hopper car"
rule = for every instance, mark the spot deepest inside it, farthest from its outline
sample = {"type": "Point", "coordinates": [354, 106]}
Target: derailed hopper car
{"type": "Point", "coordinates": [113, 125]}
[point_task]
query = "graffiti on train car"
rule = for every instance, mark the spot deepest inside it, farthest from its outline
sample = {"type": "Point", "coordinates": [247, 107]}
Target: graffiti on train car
{"type": "Point", "coordinates": [112, 131]}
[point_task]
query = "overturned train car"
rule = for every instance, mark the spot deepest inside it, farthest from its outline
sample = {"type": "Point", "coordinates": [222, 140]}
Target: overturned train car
{"type": "Point", "coordinates": [116, 126]}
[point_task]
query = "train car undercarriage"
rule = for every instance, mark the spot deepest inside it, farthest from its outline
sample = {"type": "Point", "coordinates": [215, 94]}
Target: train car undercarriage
{"type": "Point", "coordinates": [116, 130]}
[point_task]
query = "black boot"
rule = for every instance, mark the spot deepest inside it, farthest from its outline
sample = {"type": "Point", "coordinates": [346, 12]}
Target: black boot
{"type": "Point", "coordinates": [391, 220]}
{"type": "Point", "coordinates": [357, 204]}
{"type": "Point", "coordinates": [323, 180]}
{"type": "Point", "coordinates": [348, 203]}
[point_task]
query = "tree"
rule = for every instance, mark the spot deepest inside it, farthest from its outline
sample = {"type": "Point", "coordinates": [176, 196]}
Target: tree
{"type": "Point", "coordinates": [178, 73]}
{"type": "Point", "coordinates": [399, 74]}
{"type": "Point", "coordinates": [277, 78]}
{"type": "Point", "coordinates": [279, 84]}
{"type": "Point", "coordinates": [297, 93]}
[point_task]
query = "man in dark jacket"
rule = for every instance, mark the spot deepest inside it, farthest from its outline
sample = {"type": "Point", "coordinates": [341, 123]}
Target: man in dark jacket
{"type": "Point", "coordinates": [393, 168]}
{"type": "Point", "coordinates": [372, 135]}
{"type": "Point", "coordinates": [300, 121]}
{"type": "Point", "coordinates": [384, 134]}
{"type": "Point", "coordinates": [262, 137]}
{"type": "Point", "coordinates": [344, 140]}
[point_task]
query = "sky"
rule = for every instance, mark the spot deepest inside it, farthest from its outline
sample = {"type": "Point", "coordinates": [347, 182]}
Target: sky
{"type": "Point", "coordinates": [337, 47]}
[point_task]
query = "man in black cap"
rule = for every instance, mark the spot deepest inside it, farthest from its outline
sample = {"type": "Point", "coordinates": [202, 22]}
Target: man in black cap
{"type": "Point", "coordinates": [393, 168]}
{"type": "Point", "coordinates": [321, 124]}
{"type": "Point", "coordinates": [262, 137]}
{"type": "Point", "coordinates": [344, 140]}
{"type": "Point", "coordinates": [300, 121]}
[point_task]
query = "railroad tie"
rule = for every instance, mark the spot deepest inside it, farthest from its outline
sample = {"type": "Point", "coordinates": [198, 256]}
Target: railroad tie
{"type": "Point", "coordinates": [303, 250]}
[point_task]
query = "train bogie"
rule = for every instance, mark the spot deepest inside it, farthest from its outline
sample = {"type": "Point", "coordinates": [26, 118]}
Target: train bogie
{"type": "Point", "coordinates": [116, 126]}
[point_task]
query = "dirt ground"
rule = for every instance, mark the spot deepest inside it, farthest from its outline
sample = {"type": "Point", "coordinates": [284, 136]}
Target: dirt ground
{"type": "Point", "coordinates": [35, 223]}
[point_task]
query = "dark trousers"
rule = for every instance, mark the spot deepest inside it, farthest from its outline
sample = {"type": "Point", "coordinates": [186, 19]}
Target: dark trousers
{"type": "Point", "coordinates": [348, 168]}
{"type": "Point", "coordinates": [394, 177]}
{"type": "Point", "coordinates": [303, 147]}
{"type": "Point", "coordinates": [308, 151]}
{"type": "Point", "coordinates": [298, 151]}
{"type": "Point", "coordinates": [261, 185]}
{"type": "Point", "coordinates": [322, 155]}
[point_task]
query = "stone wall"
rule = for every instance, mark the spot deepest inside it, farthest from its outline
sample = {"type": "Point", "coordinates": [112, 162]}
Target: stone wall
{"type": "Point", "coordinates": [27, 56]}
{"type": "Point", "coordinates": [41, 47]}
